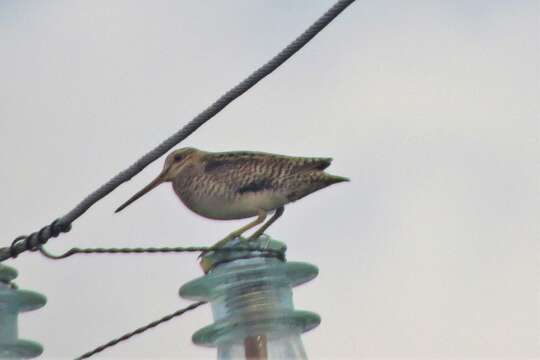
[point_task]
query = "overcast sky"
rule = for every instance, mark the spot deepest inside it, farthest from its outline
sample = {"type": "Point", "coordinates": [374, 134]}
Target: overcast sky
{"type": "Point", "coordinates": [430, 107]}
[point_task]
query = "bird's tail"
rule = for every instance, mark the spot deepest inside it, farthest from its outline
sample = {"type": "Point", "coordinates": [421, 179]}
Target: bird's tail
{"type": "Point", "coordinates": [334, 179]}
{"type": "Point", "coordinates": [306, 183]}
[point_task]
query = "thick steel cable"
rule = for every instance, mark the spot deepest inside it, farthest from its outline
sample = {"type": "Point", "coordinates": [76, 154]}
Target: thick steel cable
{"type": "Point", "coordinates": [63, 224]}
{"type": "Point", "coordinates": [140, 330]}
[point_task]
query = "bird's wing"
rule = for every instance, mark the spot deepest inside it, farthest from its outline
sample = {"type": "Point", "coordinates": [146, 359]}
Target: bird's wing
{"type": "Point", "coordinates": [243, 172]}
{"type": "Point", "coordinates": [258, 162]}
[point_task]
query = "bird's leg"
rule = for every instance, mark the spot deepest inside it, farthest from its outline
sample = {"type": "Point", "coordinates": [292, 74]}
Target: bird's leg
{"type": "Point", "coordinates": [262, 229]}
{"type": "Point", "coordinates": [261, 216]}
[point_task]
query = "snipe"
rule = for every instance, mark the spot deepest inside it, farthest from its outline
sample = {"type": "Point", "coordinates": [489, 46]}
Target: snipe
{"type": "Point", "coordinates": [240, 184]}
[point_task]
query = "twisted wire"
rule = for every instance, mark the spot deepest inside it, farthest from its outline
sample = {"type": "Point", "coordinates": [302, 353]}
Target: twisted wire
{"type": "Point", "coordinates": [63, 224]}
{"type": "Point", "coordinates": [140, 330]}
{"type": "Point", "coordinates": [280, 254]}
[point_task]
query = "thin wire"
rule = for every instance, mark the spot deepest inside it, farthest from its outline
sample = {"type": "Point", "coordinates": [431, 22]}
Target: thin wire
{"type": "Point", "coordinates": [63, 224]}
{"type": "Point", "coordinates": [280, 254]}
{"type": "Point", "coordinates": [140, 330]}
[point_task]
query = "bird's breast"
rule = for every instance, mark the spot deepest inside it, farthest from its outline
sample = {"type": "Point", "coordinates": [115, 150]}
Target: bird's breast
{"type": "Point", "coordinates": [223, 207]}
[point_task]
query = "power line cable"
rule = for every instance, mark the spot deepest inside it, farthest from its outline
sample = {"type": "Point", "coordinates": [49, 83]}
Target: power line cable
{"type": "Point", "coordinates": [63, 224]}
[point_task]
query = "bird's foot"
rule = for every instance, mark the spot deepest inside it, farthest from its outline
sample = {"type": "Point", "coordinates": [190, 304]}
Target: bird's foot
{"type": "Point", "coordinates": [225, 241]}
{"type": "Point", "coordinates": [231, 237]}
{"type": "Point", "coordinates": [264, 239]}
{"type": "Point", "coordinates": [220, 244]}
{"type": "Point", "coordinates": [254, 237]}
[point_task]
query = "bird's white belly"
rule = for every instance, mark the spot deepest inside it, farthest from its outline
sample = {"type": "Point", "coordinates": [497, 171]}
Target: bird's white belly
{"type": "Point", "coordinates": [244, 206]}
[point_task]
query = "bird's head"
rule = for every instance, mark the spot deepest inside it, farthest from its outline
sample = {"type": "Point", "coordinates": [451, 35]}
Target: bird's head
{"type": "Point", "coordinates": [174, 163]}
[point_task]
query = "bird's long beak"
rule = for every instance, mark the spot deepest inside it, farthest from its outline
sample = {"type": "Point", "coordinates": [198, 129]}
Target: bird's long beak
{"type": "Point", "coordinates": [160, 179]}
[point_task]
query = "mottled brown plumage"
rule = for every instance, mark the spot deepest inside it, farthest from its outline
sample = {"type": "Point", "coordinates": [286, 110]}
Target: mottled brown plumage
{"type": "Point", "coordinates": [240, 184]}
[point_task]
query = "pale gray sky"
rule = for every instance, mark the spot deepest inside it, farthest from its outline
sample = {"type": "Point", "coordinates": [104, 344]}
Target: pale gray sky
{"type": "Point", "coordinates": [430, 107]}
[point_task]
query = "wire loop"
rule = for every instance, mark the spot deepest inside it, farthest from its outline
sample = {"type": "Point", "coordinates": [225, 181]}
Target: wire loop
{"type": "Point", "coordinates": [33, 241]}
{"type": "Point", "coordinates": [12, 251]}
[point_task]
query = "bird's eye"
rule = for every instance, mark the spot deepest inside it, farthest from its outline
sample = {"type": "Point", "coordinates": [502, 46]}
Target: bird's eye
{"type": "Point", "coordinates": [178, 157]}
